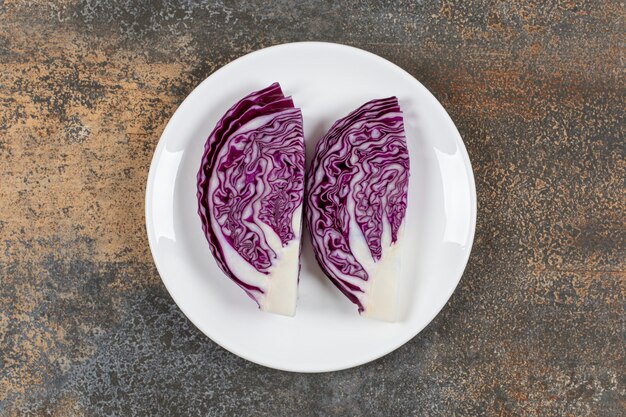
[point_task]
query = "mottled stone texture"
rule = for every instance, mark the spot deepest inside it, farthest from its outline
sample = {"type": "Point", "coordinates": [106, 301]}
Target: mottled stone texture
{"type": "Point", "coordinates": [537, 324]}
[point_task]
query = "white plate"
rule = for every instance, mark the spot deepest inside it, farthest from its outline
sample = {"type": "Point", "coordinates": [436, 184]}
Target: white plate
{"type": "Point", "coordinates": [327, 81]}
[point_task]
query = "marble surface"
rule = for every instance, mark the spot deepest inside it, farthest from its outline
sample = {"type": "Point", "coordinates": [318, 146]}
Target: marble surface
{"type": "Point", "coordinates": [537, 324]}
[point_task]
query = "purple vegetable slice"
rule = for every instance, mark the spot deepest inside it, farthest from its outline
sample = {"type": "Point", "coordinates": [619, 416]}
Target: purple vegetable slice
{"type": "Point", "coordinates": [250, 196]}
{"type": "Point", "coordinates": [357, 196]}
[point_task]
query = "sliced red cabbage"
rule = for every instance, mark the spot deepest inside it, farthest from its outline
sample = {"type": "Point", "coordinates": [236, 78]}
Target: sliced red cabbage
{"type": "Point", "coordinates": [250, 195]}
{"type": "Point", "coordinates": [357, 196]}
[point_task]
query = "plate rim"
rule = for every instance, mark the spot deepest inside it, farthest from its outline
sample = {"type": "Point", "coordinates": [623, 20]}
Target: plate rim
{"type": "Point", "coordinates": [158, 150]}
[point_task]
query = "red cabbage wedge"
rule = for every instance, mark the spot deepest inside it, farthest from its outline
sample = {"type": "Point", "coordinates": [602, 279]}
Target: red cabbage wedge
{"type": "Point", "coordinates": [250, 195]}
{"type": "Point", "coordinates": [357, 188]}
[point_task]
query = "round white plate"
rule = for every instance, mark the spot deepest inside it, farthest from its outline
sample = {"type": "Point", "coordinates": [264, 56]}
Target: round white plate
{"type": "Point", "coordinates": [326, 81]}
